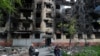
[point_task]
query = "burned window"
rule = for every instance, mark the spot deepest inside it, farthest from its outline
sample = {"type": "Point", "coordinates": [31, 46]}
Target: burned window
{"type": "Point", "coordinates": [38, 25]}
{"type": "Point", "coordinates": [25, 36]}
{"type": "Point", "coordinates": [39, 6]}
{"type": "Point", "coordinates": [58, 36]}
{"type": "Point", "coordinates": [96, 25]}
{"type": "Point", "coordinates": [27, 1]}
{"type": "Point", "coordinates": [97, 35]}
{"type": "Point", "coordinates": [68, 36]}
{"type": "Point", "coordinates": [2, 22]}
{"type": "Point", "coordinates": [57, 15]}
{"type": "Point", "coordinates": [87, 26]}
{"type": "Point", "coordinates": [15, 26]}
{"type": "Point", "coordinates": [48, 33]}
{"type": "Point", "coordinates": [48, 15]}
{"type": "Point", "coordinates": [88, 36]}
{"type": "Point", "coordinates": [3, 35]}
{"type": "Point", "coordinates": [37, 35]}
{"type": "Point", "coordinates": [38, 14]}
{"type": "Point", "coordinates": [67, 11]}
{"type": "Point", "coordinates": [48, 24]}
{"type": "Point", "coordinates": [26, 25]}
{"type": "Point", "coordinates": [80, 36]}
{"type": "Point", "coordinates": [57, 6]}
{"type": "Point", "coordinates": [48, 5]}
{"type": "Point", "coordinates": [15, 36]}
{"type": "Point", "coordinates": [58, 25]}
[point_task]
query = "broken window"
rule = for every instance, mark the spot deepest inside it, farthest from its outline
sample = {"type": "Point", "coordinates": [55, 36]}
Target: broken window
{"type": "Point", "coordinates": [68, 36]}
{"type": "Point", "coordinates": [48, 33]}
{"type": "Point", "coordinates": [48, 24]}
{"type": "Point", "coordinates": [97, 35]}
{"type": "Point", "coordinates": [37, 35]}
{"type": "Point", "coordinates": [57, 15]}
{"type": "Point", "coordinates": [25, 35]}
{"type": "Point", "coordinates": [88, 36]}
{"type": "Point", "coordinates": [38, 14]}
{"type": "Point", "coordinates": [14, 26]}
{"type": "Point", "coordinates": [87, 26]}
{"type": "Point", "coordinates": [2, 22]}
{"type": "Point", "coordinates": [3, 35]}
{"type": "Point", "coordinates": [15, 36]}
{"type": "Point", "coordinates": [39, 6]}
{"type": "Point", "coordinates": [26, 14]}
{"type": "Point", "coordinates": [67, 11]}
{"type": "Point", "coordinates": [57, 6]}
{"type": "Point", "coordinates": [38, 25]}
{"type": "Point", "coordinates": [26, 25]}
{"type": "Point", "coordinates": [58, 25]}
{"type": "Point", "coordinates": [48, 5]}
{"type": "Point", "coordinates": [26, 3]}
{"type": "Point", "coordinates": [48, 15]}
{"type": "Point", "coordinates": [80, 36]}
{"type": "Point", "coordinates": [58, 36]}
{"type": "Point", "coordinates": [96, 25]}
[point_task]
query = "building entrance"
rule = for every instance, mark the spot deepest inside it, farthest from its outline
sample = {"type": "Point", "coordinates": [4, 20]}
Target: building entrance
{"type": "Point", "coordinates": [47, 41]}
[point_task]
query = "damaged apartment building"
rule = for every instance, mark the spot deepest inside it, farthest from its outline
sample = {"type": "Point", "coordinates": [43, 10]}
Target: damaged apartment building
{"type": "Point", "coordinates": [63, 10]}
{"type": "Point", "coordinates": [42, 21]}
{"type": "Point", "coordinates": [32, 23]}
{"type": "Point", "coordinates": [17, 27]}
{"type": "Point", "coordinates": [87, 19]}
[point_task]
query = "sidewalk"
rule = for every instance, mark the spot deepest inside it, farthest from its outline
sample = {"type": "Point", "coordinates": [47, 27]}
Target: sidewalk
{"type": "Point", "coordinates": [42, 52]}
{"type": "Point", "coordinates": [45, 52]}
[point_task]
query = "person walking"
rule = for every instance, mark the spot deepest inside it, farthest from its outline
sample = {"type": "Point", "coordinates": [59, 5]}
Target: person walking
{"type": "Point", "coordinates": [57, 51]}
{"type": "Point", "coordinates": [33, 50]}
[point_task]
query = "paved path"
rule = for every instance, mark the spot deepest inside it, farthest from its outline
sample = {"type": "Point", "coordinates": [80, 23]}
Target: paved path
{"type": "Point", "coordinates": [42, 52]}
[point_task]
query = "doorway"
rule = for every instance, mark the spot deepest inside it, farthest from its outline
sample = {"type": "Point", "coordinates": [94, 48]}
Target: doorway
{"type": "Point", "coordinates": [48, 41]}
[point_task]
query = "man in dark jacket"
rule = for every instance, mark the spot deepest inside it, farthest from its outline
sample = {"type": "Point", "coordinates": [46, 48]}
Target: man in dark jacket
{"type": "Point", "coordinates": [32, 51]}
{"type": "Point", "coordinates": [57, 51]}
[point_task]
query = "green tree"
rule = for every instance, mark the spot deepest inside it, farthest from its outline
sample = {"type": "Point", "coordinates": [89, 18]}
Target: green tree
{"type": "Point", "coordinates": [8, 5]}
{"type": "Point", "coordinates": [71, 28]}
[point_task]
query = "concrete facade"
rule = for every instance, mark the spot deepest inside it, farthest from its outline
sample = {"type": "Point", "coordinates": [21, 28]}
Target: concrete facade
{"type": "Point", "coordinates": [42, 21]}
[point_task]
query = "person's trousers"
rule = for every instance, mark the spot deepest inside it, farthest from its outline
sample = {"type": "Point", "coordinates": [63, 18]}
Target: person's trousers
{"type": "Point", "coordinates": [37, 54]}
{"type": "Point", "coordinates": [57, 54]}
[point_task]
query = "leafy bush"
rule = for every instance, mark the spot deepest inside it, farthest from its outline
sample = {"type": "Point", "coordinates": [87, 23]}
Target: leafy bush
{"type": "Point", "coordinates": [89, 51]}
{"type": "Point", "coordinates": [64, 53]}
{"type": "Point", "coordinates": [86, 51]}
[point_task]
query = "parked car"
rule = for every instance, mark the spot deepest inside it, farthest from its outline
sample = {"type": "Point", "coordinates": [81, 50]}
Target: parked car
{"type": "Point", "coordinates": [3, 52]}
